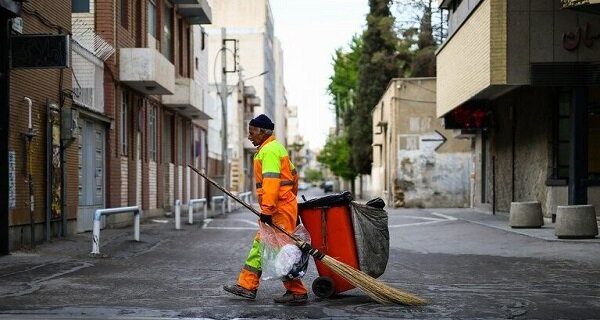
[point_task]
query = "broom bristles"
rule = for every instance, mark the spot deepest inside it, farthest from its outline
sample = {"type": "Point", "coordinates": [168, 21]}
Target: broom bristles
{"type": "Point", "coordinates": [374, 288]}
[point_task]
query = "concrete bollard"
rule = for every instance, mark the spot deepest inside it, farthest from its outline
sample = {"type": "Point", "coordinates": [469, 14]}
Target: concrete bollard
{"type": "Point", "coordinates": [177, 214]}
{"type": "Point", "coordinates": [576, 222]}
{"type": "Point", "coordinates": [526, 214]}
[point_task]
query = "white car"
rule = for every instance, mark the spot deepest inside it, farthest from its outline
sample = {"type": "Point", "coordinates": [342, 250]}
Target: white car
{"type": "Point", "coordinates": [303, 186]}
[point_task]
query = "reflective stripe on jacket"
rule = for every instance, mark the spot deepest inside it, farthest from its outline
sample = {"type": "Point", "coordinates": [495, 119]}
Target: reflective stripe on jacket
{"type": "Point", "coordinates": [276, 178]}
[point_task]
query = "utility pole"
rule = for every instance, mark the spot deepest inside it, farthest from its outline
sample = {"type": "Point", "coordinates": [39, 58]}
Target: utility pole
{"type": "Point", "coordinates": [224, 114]}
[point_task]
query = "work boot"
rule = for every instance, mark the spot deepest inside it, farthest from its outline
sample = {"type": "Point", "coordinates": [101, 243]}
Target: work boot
{"type": "Point", "coordinates": [240, 291]}
{"type": "Point", "coordinates": [291, 298]}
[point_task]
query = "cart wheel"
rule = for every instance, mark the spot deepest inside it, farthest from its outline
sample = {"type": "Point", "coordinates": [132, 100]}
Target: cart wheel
{"type": "Point", "coordinates": [323, 287]}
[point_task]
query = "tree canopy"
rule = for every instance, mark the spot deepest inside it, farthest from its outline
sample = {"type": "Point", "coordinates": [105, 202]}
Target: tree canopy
{"type": "Point", "coordinates": [378, 65]}
{"type": "Point", "coordinates": [336, 156]}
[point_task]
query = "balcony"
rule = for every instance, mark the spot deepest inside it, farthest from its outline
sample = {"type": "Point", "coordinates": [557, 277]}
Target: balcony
{"type": "Point", "coordinates": [187, 99]}
{"type": "Point", "coordinates": [147, 71]}
{"type": "Point", "coordinates": [195, 11]}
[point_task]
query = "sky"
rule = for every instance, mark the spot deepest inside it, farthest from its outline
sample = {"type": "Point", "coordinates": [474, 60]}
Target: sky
{"type": "Point", "coordinates": [310, 31]}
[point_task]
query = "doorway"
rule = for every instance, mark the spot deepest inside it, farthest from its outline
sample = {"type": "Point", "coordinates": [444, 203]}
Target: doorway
{"type": "Point", "coordinates": [91, 173]}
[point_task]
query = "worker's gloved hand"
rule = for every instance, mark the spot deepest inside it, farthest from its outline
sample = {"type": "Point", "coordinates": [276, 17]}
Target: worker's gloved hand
{"type": "Point", "coordinates": [266, 218]}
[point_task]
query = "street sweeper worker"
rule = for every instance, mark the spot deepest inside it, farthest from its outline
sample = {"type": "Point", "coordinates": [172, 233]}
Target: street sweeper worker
{"type": "Point", "coordinates": [276, 188]}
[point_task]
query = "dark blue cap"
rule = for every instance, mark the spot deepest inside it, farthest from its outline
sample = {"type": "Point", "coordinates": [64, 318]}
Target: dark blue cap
{"type": "Point", "coordinates": [262, 121]}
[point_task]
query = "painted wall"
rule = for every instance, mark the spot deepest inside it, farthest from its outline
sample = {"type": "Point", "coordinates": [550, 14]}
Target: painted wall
{"type": "Point", "coordinates": [520, 142]}
{"type": "Point", "coordinates": [413, 166]}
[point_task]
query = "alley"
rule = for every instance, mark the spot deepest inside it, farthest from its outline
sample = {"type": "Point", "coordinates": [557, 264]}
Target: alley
{"type": "Point", "coordinates": [465, 269]}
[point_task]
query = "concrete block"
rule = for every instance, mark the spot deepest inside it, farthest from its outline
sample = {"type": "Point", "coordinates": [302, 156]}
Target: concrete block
{"type": "Point", "coordinates": [526, 214]}
{"type": "Point", "coordinates": [576, 222]}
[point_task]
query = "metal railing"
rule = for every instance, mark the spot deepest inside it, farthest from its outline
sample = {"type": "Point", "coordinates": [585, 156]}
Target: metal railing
{"type": "Point", "coordinates": [191, 204]}
{"type": "Point", "coordinates": [106, 212]}
{"type": "Point", "coordinates": [215, 199]}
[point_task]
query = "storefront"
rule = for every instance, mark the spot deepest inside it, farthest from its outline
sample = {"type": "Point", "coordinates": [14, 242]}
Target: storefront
{"type": "Point", "coordinates": [530, 70]}
{"type": "Point", "coordinates": [8, 10]}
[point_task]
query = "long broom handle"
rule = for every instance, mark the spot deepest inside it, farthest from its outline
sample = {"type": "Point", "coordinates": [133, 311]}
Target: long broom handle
{"type": "Point", "coordinates": [240, 201]}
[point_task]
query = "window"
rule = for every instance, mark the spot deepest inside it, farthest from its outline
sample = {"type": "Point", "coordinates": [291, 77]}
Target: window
{"type": "Point", "coordinates": [181, 45]}
{"type": "Point", "coordinates": [180, 128]}
{"type": "Point", "coordinates": [152, 132]}
{"type": "Point", "coordinates": [80, 6]}
{"type": "Point", "coordinates": [152, 18]}
{"type": "Point", "coordinates": [203, 40]}
{"type": "Point", "coordinates": [594, 138]}
{"type": "Point", "coordinates": [168, 138]}
{"type": "Point", "coordinates": [167, 29]}
{"type": "Point", "coordinates": [561, 144]}
{"type": "Point", "coordinates": [124, 121]}
{"type": "Point", "coordinates": [455, 4]}
{"type": "Point", "coordinates": [125, 13]}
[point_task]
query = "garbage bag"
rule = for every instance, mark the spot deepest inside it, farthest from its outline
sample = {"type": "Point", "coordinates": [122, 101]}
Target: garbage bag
{"type": "Point", "coordinates": [372, 236]}
{"type": "Point", "coordinates": [280, 256]}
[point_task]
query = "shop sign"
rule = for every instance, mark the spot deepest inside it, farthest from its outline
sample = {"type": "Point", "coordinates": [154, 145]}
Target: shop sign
{"type": "Point", "coordinates": [572, 40]}
{"type": "Point", "coordinates": [37, 51]}
{"type": "Point", "coordinates": [467, 117]}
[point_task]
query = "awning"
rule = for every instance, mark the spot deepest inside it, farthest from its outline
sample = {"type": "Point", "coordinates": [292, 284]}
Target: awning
{"type": "Point", "coordinates": [591, 6]}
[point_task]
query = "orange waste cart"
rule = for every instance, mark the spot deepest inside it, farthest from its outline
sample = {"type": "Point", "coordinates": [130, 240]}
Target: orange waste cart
{"type": "Point", "coordinates": [329, 222]}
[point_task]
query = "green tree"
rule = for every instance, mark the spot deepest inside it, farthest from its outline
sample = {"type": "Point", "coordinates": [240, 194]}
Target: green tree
{"type": "Point", "coordinates": [336, 156]}
{"type": "Point", "coordinates": [342, 84]}
{"type": "Point", "coordinates": [420, 36]}
{"type": "Point", "coordinates": [378, 65]}
{"type": "Point", "coordinates": [313, 175]}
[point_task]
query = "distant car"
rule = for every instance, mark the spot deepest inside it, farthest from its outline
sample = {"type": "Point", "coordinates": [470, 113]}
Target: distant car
{"type": "Point", "coordinates": [327, 186]}
{"type": "Point", "coordinates": [303, 186]}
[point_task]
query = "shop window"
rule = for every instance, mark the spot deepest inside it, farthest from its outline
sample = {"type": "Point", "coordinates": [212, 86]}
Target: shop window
{"type": "Point", "coordinates": [80, 6]}
{"type": "Point", "coordinates": [594, 143]}
{"type": "Point", "coordinates": [561, 139]}
{"type": "Point", "coordinates": [561, 136]}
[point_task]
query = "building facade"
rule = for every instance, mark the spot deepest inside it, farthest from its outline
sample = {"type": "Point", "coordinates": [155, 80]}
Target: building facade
{"type": "Point", "coordinates": [522, 76]}
{"type": "Point", "coordinates": [416, 162]}
{"type": "Point", "coordinates": [31, 89]}
{"type": "Point", "coordinates": [254, 79]}
{"type": "Point", "coordinates": [115, 125]}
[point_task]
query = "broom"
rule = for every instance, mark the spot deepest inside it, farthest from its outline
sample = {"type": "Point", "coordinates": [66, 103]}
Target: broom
{"type": "Point", "coordinates": [374, 288]}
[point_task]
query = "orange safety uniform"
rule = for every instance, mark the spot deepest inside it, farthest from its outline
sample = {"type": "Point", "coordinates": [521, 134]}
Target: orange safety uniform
{"type": "Point", "coordinates": [276, 188]}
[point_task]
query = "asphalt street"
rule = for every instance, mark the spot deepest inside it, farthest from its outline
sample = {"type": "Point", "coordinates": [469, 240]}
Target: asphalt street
{"type": "Point", "coordinates": [461, 260]}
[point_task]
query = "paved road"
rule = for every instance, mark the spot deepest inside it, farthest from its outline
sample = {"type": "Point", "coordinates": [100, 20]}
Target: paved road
{"type": "Point", "coordinates": [465, 269]}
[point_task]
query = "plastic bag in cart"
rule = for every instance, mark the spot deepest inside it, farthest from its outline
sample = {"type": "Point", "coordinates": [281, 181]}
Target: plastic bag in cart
{"type": "Point", "coordinates": [280, 257]}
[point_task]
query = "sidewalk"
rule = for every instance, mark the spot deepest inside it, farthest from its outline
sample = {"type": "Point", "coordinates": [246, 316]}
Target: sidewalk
{"type": "Point", "coordinates": [500, 221]}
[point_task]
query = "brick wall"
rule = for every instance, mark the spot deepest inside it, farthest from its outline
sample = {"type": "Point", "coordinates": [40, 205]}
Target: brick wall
{"type": "Point", "coordinates": [463, 64]}
{"type": "Point", "coordinates": [40, 85]}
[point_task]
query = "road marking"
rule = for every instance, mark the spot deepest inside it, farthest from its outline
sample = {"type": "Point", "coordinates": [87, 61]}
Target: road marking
{"type": "Point", "coordinates": [421, 218]}
{"type": "Point", "coordinates": [254, 225]}
{"type": "Point", "coordinates": [430, 220]}
{"type": "Point", "coordinates": [444, 216]}
{"type": "Point", "coordinates": [230, 228]}
{"type": "Point", "coordinates": [414, 224]}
